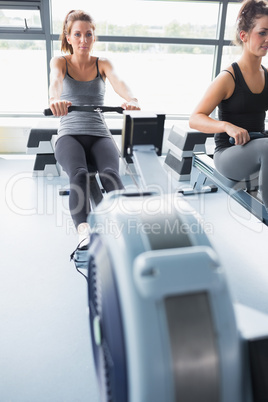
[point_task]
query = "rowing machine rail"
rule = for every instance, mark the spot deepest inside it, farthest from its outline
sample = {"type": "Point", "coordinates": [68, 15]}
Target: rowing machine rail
{"type": "Point", "coordinates": [203, 168]}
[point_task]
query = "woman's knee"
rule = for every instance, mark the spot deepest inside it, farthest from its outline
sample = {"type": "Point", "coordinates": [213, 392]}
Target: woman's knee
{"type": "Point", "coordinates": [263, 150]}
{"type": "Point", "coordinates": [79, 176]}
{"type": "Point", "coordinates": [111, 180]}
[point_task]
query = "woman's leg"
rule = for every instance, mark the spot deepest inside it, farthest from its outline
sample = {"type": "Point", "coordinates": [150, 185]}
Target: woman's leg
{"type": "Point", "coordinates": [106, 158]}
{"type": "Point", "coordinates": [74, 153]}
{"type": "Point", "coordinates": [241, 161]}
{"type": "Point", "coordinates": [72, 157]}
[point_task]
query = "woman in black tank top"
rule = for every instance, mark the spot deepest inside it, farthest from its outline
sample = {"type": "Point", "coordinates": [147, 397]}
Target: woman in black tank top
{"type": "Point", "coordinates": [241, 94]}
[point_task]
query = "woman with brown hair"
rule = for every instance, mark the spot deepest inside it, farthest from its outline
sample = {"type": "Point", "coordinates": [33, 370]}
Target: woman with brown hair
{"type": "Point", "coordinates": [78, 78]}
{"type": "Point", "coordinates": [241, 94]}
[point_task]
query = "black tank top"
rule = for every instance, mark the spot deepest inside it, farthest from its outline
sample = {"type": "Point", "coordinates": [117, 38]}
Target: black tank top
{"type": "Point", "coordinates": [244, 108]}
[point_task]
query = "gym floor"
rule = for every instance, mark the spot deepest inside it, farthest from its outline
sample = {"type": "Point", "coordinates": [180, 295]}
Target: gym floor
{"type": "Point", "coordinates": [45, 344]}
{"type": "Point", "coordinates": [240, 241]}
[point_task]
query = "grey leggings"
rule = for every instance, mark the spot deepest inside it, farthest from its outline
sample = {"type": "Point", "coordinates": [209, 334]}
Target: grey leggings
{"type": "Point", "coordinates": [240, 162]}
{"type": "Point", "coordinates": [74, 153]}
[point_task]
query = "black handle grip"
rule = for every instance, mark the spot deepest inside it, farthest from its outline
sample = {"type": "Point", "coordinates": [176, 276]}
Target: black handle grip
{"type": "Point", "coordinates": [89, 108]}
{"type": "Point", "coordinates": [48, 112]}
{"type": "Point", "coordinates": [253, 136]}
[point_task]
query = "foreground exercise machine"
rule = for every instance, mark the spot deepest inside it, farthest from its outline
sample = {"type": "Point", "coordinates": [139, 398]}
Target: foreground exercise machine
{"type": "Point", "coordinates": [163, 325]}
{"type": "Point", "coordinates": [162, 322]}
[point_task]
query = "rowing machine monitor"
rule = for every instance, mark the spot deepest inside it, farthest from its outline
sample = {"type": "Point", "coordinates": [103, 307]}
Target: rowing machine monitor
{"type": "Point", "coordinates": [142, 128]}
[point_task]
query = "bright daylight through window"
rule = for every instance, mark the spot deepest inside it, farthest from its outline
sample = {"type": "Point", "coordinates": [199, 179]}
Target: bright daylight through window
{"type": "Point", "coordinates": [166, 50]}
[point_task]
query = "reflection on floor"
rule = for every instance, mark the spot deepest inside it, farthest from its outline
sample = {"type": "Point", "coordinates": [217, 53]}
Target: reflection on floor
{"type": "Point", "coordinates": [45, 342]}
{"type": "Point", "coordinates": [240, 240]}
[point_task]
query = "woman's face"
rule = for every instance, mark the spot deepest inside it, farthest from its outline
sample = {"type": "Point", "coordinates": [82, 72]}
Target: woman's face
{"type": "Point", "coordinates": [81, 37]}
{"type": "Point", "coordinates": [257, 39]}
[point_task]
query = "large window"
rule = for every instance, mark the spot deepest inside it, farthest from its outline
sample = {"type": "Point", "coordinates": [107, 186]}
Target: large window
{"type": "Point", "coordinates": [20, 18]}
{"type": "Point", "coordinates": [167, 51]}
{"type": "Point", "coordinates": [145, 18]}
{"type": "Point", "coordinates": [23, 76]}
{"type": "Point", "coordinates": [23, 52]}
{"type": "Point", "coordinates": [165, 78]}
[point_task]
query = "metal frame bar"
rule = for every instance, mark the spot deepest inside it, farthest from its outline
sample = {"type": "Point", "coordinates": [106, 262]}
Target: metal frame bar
{"type": "Point", "coordinates": [236, 190]}
{"type": "Point", "coordinates": [220, 34]}
{"type": "Point", "coordinates": [162, 40]}
{"type": "Point", "coordinates": [47, 25]}
{"type": "Point", "coordinates": [20, 5]}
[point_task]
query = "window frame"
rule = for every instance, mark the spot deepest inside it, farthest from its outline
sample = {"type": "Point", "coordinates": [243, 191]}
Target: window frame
{"type": "Point", "coordinates": [45, 33]}
{"type": "Point", "coordinates": [26, 33]}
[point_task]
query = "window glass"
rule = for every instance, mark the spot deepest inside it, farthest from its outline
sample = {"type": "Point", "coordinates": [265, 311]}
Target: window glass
{"type": "Point", "coordinates": [232, 12]}
{"type": "Point", "coordinates": [232, 53]}
{"type": "Point", "coordinates": [24, 76]}
{"type": "Point", "coordinates": [163, 77]}
{"type": "Point", "coordinates": [146, 18]}
{"type": "Point", "coordinates": [229, 55]}
{"type": "Point", "coordinates": [20, 18]}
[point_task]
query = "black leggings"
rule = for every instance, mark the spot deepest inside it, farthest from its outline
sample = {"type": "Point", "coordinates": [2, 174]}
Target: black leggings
{"type": "Point", "coordinates": [74, 153]}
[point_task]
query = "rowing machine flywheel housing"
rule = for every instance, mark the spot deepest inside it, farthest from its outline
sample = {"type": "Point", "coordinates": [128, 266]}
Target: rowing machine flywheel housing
{"type": "Point", "coordinates": [161, 319]}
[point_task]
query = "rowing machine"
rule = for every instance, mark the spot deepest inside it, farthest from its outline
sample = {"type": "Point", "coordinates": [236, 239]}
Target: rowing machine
{"type": "Point", "coordinates": [161, 319]}
{"type": "Point", "coordinates": [163, 326]}
{"type": "Point", "coordinates": [203, 169]}
{"type": "Point", "coordinates": [142, 139]}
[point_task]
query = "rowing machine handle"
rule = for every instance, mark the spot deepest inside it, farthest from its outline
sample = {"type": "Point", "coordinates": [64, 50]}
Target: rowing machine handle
{"type": "Point", "coordinates": [48, 112]}
{"type": "Point", "coordinates": [253, 136]}
{"type": "Point", "coordinates": [88, 108]}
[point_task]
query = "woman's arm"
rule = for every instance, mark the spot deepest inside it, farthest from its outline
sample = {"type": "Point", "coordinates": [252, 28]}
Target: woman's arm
{"type": "Point", "coordinates": [221, 88]}
{"type": "Point", "coordinates": [57, 71]}
{"type": "Point", "coordinates": [119, 86]}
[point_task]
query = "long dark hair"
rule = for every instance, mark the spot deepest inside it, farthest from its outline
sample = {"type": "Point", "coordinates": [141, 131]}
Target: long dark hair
{"type": "Point", "coordinates": [71, 17]}
{"type": "Point", "coordinates": [249, 12]}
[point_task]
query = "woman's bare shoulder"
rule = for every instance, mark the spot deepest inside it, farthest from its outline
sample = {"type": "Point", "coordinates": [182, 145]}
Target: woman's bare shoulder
{"type": "Point", "coordinates": [58, 61]}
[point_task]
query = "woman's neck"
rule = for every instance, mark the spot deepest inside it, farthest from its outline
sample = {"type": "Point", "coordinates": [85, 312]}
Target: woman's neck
{"type": "Point", "coordinates": [250, 63]}
{"type": "Point", "coordinates": [81, 62]}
